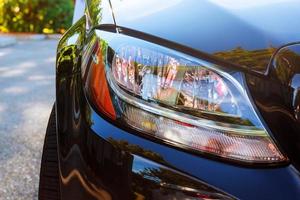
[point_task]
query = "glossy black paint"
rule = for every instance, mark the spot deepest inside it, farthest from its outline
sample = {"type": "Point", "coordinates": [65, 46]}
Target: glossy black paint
{"type": "Point", "coordinates": [245, 33]}
{"type": "Point", "coordinates": [277, 97]}
{"type": "Point", "coordinates": [98, 12]}
{"type": "Point", "coordinates": [100, 160]}
{"type": "Point", "coordinates": [69, 50]}
{"type": "Point", "coordinates": [90, 171]}
{"type": "Point", "coordinates": [242, 33]}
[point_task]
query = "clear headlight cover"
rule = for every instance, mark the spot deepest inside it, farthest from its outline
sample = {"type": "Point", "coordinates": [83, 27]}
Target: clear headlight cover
{"type": "Point", "coordinates": [187, 102]}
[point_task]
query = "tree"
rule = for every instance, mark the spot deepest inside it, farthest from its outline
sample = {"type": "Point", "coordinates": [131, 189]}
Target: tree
{"type": "Point", "coordinates": [40, 16]}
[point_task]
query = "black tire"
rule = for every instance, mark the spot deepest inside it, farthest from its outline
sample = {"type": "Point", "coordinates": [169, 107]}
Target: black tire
{"type": "Point", "coordinates": [49, 175]}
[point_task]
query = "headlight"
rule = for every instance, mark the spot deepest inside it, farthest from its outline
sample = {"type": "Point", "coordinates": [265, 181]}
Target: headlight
{"type": "Point", "coordinates": [179, 99]}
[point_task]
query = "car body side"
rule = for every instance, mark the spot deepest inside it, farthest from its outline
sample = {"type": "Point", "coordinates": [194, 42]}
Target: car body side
{"type": "Point", "coordinates": [99, 160]}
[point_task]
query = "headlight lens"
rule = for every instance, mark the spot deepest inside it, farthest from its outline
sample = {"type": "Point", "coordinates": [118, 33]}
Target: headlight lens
{"type": "Point", "coordinates": [186, 102]}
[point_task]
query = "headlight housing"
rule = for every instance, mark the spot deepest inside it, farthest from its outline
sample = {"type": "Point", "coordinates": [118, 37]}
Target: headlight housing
{"type": "Point", "coordinates": [178, 99]}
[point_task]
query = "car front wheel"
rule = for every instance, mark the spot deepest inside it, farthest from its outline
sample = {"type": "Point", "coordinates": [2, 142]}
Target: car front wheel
{"type": "Point", "coordinates": [49, 174]}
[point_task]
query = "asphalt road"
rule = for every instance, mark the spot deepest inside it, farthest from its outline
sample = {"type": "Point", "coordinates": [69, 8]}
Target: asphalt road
{"type": "Point", "coordinates": [27, 93]}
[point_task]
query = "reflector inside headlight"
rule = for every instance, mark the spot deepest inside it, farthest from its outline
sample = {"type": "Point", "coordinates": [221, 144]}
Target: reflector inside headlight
{"type": "Point", "coordinates": [187, 102]}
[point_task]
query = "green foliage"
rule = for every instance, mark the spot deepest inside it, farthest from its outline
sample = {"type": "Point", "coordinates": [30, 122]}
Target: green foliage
{"type": "Point", "coordinates": [39, 16]}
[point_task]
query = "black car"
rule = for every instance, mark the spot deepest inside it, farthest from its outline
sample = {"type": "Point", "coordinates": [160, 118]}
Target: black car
{"type": "Point", "coordinates": [176, 100]}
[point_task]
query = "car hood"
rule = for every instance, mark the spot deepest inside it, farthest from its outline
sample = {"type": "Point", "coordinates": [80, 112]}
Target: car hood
{"type": "Point", "coordinates": [244, 33]}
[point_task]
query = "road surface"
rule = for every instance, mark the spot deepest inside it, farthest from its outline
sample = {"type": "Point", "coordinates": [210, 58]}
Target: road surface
{"type": "Point", "coordinates": [27, 93]}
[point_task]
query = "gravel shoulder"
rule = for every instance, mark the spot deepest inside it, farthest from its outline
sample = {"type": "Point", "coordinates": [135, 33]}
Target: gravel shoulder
{"type": "Point", "coordinates": [27, 93]}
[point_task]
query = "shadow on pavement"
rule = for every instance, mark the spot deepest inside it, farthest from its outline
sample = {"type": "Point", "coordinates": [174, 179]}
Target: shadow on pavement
{"type": "Point", "coordinates": [27, 93]}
